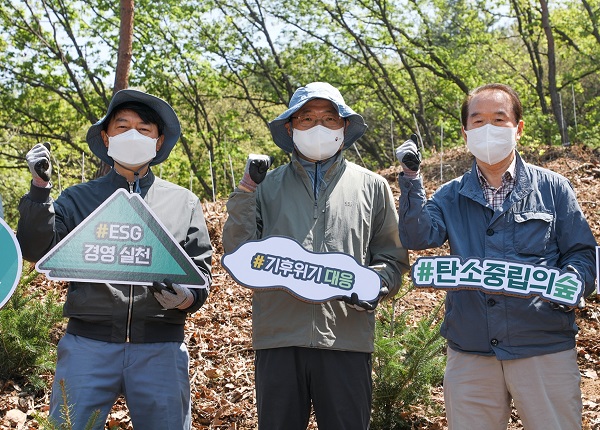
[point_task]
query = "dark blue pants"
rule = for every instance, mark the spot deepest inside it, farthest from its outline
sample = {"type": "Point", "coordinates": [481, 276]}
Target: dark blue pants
{"type": "Point", "coordinates": [338, 383]}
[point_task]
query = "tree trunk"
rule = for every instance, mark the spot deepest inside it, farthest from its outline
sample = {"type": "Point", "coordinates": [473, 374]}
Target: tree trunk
{"type": "Point", "coordinates": [125, 46]}
{"type": "Point", "coordinates": [554, 96]}
{"type": "Point", "coordinates": [123, 59]}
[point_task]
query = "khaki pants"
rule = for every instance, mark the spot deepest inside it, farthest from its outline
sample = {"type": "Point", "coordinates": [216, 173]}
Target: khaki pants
{"type": "Point", "coordinates": [545, 389]}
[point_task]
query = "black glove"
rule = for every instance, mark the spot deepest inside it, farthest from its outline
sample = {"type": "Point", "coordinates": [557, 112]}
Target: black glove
{"type": "Point", "coordinates": [256, 170]}
{"type": "Point", "coordinates": [408, 154]}
{"type": "Point", "coordinates": [258, 167]}
{"type": "Point", "coordinates": [361, 305]}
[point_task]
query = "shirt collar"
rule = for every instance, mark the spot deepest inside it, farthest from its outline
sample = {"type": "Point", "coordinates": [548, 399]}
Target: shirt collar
{"type": "Point", "coordinates": [508, 175]}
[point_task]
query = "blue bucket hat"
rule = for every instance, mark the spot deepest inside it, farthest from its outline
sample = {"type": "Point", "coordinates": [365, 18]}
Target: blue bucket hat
{"type": "Point", "coordinates": [317, 90]}
{"type": "Point", "coordinates": [171, 129]}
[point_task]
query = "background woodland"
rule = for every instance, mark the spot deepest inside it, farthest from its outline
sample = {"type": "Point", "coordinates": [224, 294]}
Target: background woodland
{"type": "Point", "coordinates": [229, 67]}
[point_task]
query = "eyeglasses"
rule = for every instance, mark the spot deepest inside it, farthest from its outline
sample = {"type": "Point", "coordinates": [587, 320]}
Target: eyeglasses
{"type": "Point", "coordinates": [309, 121]}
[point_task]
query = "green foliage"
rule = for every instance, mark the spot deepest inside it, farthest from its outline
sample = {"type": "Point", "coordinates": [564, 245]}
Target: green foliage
{"type": "Point", "coordinates": [25, 323]}
{"type": "Point", "coordinates": [47, 423]}
{"type": "Point", "coordinates": [229, 67]}
{"type": "Point", "coordinates": [407, 362]}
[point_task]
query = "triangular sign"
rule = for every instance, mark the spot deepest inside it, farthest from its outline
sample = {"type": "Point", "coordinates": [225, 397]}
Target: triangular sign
{"type": "Point", "coordinates": [122, 241]}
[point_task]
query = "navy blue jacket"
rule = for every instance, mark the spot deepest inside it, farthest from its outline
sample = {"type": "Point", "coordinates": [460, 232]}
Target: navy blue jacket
{"type": "Point", "coordinates": [540, 222]}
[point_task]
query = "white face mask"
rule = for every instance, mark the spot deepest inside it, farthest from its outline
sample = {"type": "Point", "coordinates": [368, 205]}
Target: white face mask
{"type": "Point", "coordinates": [318, 143]}
{"type": "Point", "coordinates": [132, 149]}
{"type": "Point", "coordinates": [490, 143]}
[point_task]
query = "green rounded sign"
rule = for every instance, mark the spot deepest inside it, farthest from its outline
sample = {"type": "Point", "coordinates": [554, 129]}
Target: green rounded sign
{"type": "Point", "coordinates": [11, 262]}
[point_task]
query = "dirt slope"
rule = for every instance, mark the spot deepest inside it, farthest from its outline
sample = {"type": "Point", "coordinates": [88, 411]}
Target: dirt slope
{"type": "Point", "coordinates": [219, 335]}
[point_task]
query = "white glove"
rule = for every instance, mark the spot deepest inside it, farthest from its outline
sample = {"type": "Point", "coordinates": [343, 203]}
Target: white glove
{"type": "Point", "coordinates": [38, 160]}
{"type": "Point", "coordinates": [172, 296]}
{"type": "Point", "coordinates": [409, 156]}
{"type": "Point", "coordinates": [255, 171]}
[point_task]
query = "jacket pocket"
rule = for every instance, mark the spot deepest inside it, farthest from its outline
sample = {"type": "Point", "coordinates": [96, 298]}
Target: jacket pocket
{"type": "Point", "coordinates": [539, 324]}
{"type": "Point", "coordinates": [532, 232]}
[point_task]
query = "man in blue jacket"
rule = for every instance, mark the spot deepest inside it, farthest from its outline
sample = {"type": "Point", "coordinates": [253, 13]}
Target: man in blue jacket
{"type": "Point", "coordinates": [122, 339]}
{"type": "Point", "coordinates": [502, 347]}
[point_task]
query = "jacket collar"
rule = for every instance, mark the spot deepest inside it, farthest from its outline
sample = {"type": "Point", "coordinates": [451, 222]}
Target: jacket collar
{"type": "Point", "coordinates": [335, 169]}
{"type": "Point", "coordinates": [332, 164]}
{"type": "Point", "coordinates": [120, 182]}
{"type": "Point", "coordinates": [523, 179]}
{"type": "Point", "coordinates": [471, 187]}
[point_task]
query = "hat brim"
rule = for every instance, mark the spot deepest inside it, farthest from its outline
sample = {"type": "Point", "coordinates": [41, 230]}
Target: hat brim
{"type": "Point", "coordinates": [355, 129]}
{"type": "Point", "coordinates": [171, 131]}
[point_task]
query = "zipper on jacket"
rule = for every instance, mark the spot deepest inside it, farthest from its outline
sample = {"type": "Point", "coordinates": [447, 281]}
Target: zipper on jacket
{"type": "Point", "coordinates": [315, 216]}
{"type": "Point", "coordinates": [130, 303]}
{"type": "Point", "coordinates": [315, 190]}
{"type": "Point", "coordinates": [129, 314]}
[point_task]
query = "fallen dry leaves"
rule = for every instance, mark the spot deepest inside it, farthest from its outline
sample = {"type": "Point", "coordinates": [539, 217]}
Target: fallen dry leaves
{"type": "Point", "coordinates": [219, 334]}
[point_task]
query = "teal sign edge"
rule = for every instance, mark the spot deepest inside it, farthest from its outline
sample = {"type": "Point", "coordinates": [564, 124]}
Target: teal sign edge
{"type": "Point", "coordinates": [11, 263]}
{"type": "Point", "coordinates": [191, 277]}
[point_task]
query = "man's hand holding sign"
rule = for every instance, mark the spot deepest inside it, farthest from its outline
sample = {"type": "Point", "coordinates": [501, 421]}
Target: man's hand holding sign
{"type": "Point", "coordinates": [521, 260]}
{"type": "Point", "coordinates": [322, 220]}
{"type": "Point", "coordinates": [494, 276]}
{"type": "Point", "coordinates": [281, 263]}
{"type": "Point", "coordinates": [117, 238]}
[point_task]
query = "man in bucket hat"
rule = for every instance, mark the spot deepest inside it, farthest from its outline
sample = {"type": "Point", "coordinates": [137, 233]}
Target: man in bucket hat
{"type": "Point", "coordinates": [319, 353]}
{"type": "Point", "coordinates": [122, 339]}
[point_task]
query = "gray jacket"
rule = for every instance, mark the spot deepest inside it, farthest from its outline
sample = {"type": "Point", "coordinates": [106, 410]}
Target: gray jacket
{"type": "Point", "coordinates": [354, 214]}
{"type": "Point", "coordinates": [114, 312]}
{"type": "Point", "coordinates": [540, 222]}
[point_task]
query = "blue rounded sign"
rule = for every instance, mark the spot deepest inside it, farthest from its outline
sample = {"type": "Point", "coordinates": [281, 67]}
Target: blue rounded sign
{"type": "Point", "coordinates": [11, 262]}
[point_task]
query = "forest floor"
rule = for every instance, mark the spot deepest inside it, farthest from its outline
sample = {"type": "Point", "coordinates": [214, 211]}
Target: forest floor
{"type": "Point", "coordinates": [219, 334]}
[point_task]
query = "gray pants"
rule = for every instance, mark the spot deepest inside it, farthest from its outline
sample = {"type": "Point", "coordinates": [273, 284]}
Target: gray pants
{"type": "Point", "coordinates": [153, 377]}
{"type": "Point", "coordinates": [339, 384]}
